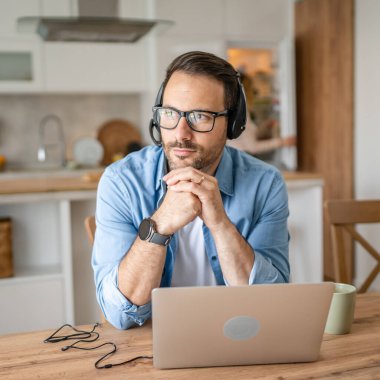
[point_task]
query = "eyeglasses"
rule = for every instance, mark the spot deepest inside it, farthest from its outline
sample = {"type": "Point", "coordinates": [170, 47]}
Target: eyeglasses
{"type": "Point", "coordinates": [197, 120]}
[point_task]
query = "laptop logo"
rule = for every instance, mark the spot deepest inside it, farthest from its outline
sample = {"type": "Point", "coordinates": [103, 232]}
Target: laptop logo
{"type": "Point", "coordinates": [241, 328]}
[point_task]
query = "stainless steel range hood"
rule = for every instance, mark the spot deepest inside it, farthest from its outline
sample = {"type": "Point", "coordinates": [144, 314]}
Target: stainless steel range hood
{"type": "Point", "coordinates": [87, 29]}
{"type": "Point", "coordinates": [97, 22]}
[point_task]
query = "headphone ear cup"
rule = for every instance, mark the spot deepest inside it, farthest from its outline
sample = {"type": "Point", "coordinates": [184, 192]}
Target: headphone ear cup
{"type": "Point", "coordinates": [238, 117]}
{"type": "Point", "coordinates": [153, 127]}
{"type": "Point", "coordinates": [231, 124]}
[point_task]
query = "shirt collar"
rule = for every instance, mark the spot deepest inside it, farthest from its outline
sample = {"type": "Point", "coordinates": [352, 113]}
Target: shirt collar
{"type": "Point", "coordinates": [224, 173]}
{"type": "Point", "coordinates": [162, 169]}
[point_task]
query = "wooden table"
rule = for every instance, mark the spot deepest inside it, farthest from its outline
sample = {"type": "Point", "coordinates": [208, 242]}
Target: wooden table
{"type": "Point", "coordinates": [352, 356]}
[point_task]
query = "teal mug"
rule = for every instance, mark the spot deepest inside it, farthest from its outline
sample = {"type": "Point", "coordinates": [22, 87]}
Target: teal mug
{"type": "Point", "coordinates": [341, 313]}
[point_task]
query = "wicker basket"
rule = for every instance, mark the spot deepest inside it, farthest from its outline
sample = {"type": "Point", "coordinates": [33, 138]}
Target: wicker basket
{"type": "Point", "coordinates": [6, 260]}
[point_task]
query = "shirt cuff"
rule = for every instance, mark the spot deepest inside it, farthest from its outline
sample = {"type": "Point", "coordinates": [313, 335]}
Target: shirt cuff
{"type": "Point", "coordinates": [263, 271]}
{"type": "Point", "coordinates": [118, 310]}
{"type": "Point", "coordinates": [249, 280]}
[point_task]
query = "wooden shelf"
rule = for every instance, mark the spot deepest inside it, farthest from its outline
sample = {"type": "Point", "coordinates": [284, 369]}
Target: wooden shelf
{"type": "Point", "coordinates": [27, 274]}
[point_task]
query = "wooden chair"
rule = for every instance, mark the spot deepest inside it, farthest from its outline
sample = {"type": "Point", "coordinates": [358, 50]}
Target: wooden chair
{"type": "Point", "coordinates": [342, 216]}
{"type": "Point", "coordinates": [90, 226]}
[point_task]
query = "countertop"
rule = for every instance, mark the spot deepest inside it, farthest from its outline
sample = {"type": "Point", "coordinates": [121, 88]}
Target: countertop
{"type": "Point", "coordinates": [22, 183]}
{"type": "Point", "coordinates": [77, 181]}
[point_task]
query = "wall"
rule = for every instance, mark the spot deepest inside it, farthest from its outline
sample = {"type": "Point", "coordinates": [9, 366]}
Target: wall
{"type": "Point", "coordinates": [367, 116]}
{"type": "Point", "coordinates": [81, 115]}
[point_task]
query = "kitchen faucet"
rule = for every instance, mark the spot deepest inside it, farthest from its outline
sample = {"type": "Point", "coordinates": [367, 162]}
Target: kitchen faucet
{"type": "Point", "coordinates": [55, 121]}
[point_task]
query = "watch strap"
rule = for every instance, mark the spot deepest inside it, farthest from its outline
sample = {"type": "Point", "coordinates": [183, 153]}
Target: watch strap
{"type": "Point", "coordinates": [157, 238]}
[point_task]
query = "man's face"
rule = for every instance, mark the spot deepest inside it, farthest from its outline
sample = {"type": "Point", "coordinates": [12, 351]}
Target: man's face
{"type": "Point", "coordinates": [183, 146]}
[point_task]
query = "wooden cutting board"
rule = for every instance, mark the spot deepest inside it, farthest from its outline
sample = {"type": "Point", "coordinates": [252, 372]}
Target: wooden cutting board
{"type": "Point", "coordinates": [116, 136]}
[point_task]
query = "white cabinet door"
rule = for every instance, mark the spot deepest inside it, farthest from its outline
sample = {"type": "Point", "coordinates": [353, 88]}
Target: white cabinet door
{"type": "Point", "coordinates": [20, 67]}
{"type": "Point", "coordinates": [192, 18]}
{"type": "Point", "coordinates": [67, 67]}
{"type": "Point", "coordinates": [95, 67]}
{"type": "Point", "coordinates": [256, 21]}
{"type": "Point", "coordinates": [133, 8]}
{"type": "Point", "coordinates": [32, 305]}
{"type": "Point", "coordinates": [39, 295]}
{"type": "Point", "coordinates": [58, 8]}
{"type": "Point", "coordinates": [10, 11]}
{"type": "Point", "coordinates": [20, 52]}
{"type": "Point", "coordinates": [306, 232]}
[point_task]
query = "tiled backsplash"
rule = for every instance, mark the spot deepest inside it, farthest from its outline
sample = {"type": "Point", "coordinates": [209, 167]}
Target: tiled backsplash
{"type": "Point", "coordinates": [81, 115]}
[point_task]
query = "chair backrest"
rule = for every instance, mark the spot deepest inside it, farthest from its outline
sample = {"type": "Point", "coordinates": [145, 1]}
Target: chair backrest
{"type": "Point", "coordinates": [90, 226]}
{"type": "Point", "coordinates": [342, 216]}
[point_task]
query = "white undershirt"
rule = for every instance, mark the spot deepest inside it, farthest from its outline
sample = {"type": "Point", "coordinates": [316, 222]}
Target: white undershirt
{"type": "Point", "coordinates": [192, 267]}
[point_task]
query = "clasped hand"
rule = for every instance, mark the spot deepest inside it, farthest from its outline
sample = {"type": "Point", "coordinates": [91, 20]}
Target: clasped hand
{"type": "Point", "coordinates": [191, 193]}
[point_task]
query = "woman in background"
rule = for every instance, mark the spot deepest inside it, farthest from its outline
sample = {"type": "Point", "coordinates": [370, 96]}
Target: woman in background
{"type": "Point", "coordinates": [260, 140]}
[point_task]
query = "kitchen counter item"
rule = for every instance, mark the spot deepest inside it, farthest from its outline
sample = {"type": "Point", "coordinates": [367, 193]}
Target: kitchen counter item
{"type": "Point", "coordinates": [92, 176]}
{"type": "Point", "coordinates": [6, 259]}
{"type": "Point", "coordinates": [116, 136]}
{"type": "Point", "coordinates": [52, 147]}
{"type": "Point", "coordinates": [88, 151]}
{"type": "Point", "coordinates": [2, 162]}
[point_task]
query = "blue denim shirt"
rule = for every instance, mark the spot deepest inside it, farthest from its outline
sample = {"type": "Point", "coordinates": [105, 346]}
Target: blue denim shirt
{"type": "Point", "coordinates": [254, 197]}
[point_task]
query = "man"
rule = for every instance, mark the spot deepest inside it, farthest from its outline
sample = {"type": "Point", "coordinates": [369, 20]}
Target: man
{"type": "Point", "coordinates": [191, 212]}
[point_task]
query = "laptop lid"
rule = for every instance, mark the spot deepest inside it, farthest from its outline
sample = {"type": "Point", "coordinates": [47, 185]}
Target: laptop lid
{"type": "Point", "coordinates": [241, 325]}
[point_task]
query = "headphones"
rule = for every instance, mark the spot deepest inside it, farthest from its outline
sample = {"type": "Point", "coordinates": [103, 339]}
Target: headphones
{"type": "Point", "coordinates": [237, 118]}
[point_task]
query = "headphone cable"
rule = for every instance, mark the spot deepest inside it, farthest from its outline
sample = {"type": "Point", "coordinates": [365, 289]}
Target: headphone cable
{"type": "Point", "coordinates": [83, 336]}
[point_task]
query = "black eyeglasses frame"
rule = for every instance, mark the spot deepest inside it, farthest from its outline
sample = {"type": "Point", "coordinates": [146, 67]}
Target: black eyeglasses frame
{"type": "Point", "coordinates": [186, 115]}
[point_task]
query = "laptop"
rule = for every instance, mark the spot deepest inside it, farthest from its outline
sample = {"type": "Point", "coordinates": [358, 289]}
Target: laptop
{"type": "Point", "coordinates": [241, 325]}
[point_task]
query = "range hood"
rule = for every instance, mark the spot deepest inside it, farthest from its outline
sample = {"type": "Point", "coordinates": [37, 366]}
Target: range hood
{"type": "Point", "coordinates": [98, 21]}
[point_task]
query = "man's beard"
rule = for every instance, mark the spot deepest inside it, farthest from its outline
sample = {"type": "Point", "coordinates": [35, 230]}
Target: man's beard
{"type": "Point", "coordinates": [202, 161]}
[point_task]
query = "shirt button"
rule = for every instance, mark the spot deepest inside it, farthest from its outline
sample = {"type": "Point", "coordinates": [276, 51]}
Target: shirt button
{"type": "Point", "coordinates": [213, 258]}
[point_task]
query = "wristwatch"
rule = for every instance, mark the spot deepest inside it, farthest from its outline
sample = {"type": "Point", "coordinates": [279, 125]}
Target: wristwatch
{"type": "Point", "coordinates": [148, 232]}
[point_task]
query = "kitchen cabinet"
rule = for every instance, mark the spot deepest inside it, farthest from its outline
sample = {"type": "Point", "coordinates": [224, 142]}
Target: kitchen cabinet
{"type": "Point", "coordinates": [305, 227]}
{"type": "Point", "coordinates": [20, 54]}
{"type": "Point", "coordinates": [67, 67]}
{"type": "Point", "coordinates": [21, 67]}
{"type": "Point", "coordinates": [134, 8]}
{"type": "Point", "coordinates": [58, 8]}
{"type": "Point", "coordinates": [195, 18]}
{"type": "Point", "coordinates": [95, 67]}
{"type": "Point", "coordinates": [41, 293]}
{"type": "Point", "coordinates": [10, 11]}
{"type": "Point", "coordinates": [259, 21]}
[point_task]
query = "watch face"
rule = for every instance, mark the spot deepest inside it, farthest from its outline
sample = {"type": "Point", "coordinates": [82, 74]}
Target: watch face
{"type": "Point", "coordinates": [144, 229]}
